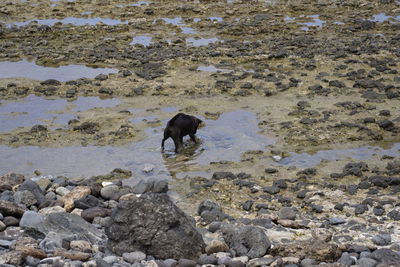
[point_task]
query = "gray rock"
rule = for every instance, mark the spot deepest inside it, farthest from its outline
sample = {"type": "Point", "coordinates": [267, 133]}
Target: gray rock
{"type": "Point", "coordinates": [8, 208]}
{"type": "Point", "coordinates": [86, 202]}
{"type": "Point", "coordinates": [271, 190]}
{"type": "Point", "coordinates": [110, 192]}
{"type": "Point", "coordinates": [287, 213]}
{"type": "Point", "coordinates": [385, 255]}
{"type": "Point", "coordinates": [169, 232]}
{"type": "Point", "coordinates": [382, 239]}
{"type": "Point", "coordinates": [307, 262]}
{"type": "Point", "coordinates": [336, 221]}
{"type": "Point", "coordinates": [10, 221]}
{"type": "Point", "coordinates": [34, 189]}
{"type": "Point", "coordinates": [133, 257]}
{"type": "Point", "coordinates": [25, 198]}
{"type": "Point", "coordinates": [31, 261]}
{"type": "Point", "coordinates": [91, 213]}
{"type": "Point", "coordinates": [210, 211]}
{"type": "Point", "coordinates": [223, 175]}
{"type": "Point", "coordinates": [7, 196]}
{"type": "Point", "coordinates": [186, 263]}
{"type": "Point", "coordinates": [5, 243]}
{"type": "Point", "coordinates": [66, 224]}
{"type": "Point", "coordinates": [246, 240]}
{"type": "Point", "coordinates": [160, 186]}
{"type": "Point", "coordinates": [207, 259]}
{"type": "Point", "coordinates": [346, 260]}
{"type": "Point", "coordinates": [110, 259]}
{"type": "Point", "coordinates": [143, 187]}
{"type": "Point", "coordinates": [31, 219]}
{"type": "Point", "coordinates": [366, 262]}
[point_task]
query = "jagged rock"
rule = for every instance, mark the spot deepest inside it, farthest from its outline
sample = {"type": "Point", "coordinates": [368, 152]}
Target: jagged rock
{"type": "Point", "coordinates": [168, 231]}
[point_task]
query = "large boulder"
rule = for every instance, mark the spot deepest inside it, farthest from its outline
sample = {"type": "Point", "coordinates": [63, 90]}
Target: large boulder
{"type": "Point", "coordinates": [154, 225]}
{"type": "Point", "coordinates": [246, 240]}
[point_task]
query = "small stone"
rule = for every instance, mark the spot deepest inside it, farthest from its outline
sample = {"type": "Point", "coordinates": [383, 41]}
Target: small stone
{"type": "Point", "coordinates": [223, 175]}
{"type": "Point", "coordinates": [366, 262]}
{"type": "Point", "coordinates": [90, 213]}
{"type": "Point", "coordinates": [12, 257]}
{"type": "Point", "coordinates": [77, 193]}
{"type": "Point", "coordinates": [247, 205]}
{"type": "Point", "coordinates": [133, 257]}
{"type": "Point", "coordinates": [207, 259]}
{"type": "Point", "coordinates": [186, 263]}
{"type": "Point", "coordinates": [271, 189]}
{"type": "Point", "coordinates": [10, 221]}
{"type": "Point", "coordinates": [308, 262]}
{"type": "Point", "coordinates": [346, 260]}
{"type": "Point", "coordinates": [260, 262]}
{"type": "Point", "coordinates": [81, 245]}
{"type": "Point", "coordinates": [287, 213]}
{"type": "Point", "coordinates": [2, 226]}
{"type": "Point", "coordinates": [110, 259]}
{"type": "Point", "coordinates": [62, 191]}
{"type": "Point", "coordinates": [216, 246]}
{"type": "Point", "coordinates": [148, 168]}
{"type": "Point", "coordinates": [336, 221]}
{"type": "Point", "coordinates": [110, 192]}
{"type": "Point", "coordinates": [73, 255]}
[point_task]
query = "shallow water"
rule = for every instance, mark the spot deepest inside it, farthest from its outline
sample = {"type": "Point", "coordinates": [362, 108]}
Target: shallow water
{"type": "Point", "coordinates": [179, 22]}
{"type": "Point", "coordinates": [382, 17]}
{"type": "Point", "coordinates": [142, 40]}
{"type": "Point", "coordinates": [27, 69]}
{"type": "Point", "coordinates": [212, 69]}
{"type": "Point", "coordinates": [35, 110]}
{"type": "Point", "coordinates": [69, 20]}
{"type": "Point", "coordinates": [221, 139]}
{"type": "Point", "coordinates": [196, 42]}
{"type": "Point", "coordinates": [305, 160]}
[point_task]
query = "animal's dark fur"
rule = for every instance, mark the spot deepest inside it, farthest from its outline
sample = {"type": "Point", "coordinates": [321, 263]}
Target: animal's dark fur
{"type": "Point", "coordinates": [179, 126]}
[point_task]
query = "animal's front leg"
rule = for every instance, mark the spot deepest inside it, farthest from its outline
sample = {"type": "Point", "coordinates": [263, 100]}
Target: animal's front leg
{"type": "Point", "coordinates": [193, 137]}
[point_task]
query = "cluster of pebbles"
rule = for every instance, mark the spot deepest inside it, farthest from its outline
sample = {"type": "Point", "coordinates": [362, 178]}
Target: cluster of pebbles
{"type": "Point", "coordinates": [55, 221]}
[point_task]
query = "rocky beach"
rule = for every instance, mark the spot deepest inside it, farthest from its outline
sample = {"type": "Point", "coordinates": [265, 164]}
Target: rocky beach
{"type": "Point", "coordinates": [298, 160]}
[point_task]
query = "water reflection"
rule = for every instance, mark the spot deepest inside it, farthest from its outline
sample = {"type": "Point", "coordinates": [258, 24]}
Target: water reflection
{"type": "Point", "coordinates": [26, 69]}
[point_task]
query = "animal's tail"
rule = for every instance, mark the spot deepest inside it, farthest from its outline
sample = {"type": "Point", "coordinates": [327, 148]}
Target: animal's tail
{"type": "Point", "coordinates": [171, 122]}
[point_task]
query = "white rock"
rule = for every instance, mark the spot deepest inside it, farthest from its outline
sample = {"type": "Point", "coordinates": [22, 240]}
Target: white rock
{"type": "Point", "coordinates": [148, 168]}
{"type": "Point", "coordinates": [104, 184]}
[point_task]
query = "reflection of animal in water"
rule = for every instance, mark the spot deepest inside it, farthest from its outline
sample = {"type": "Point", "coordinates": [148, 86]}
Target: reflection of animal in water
{"type": "Point", "coordinates": [179, 126]}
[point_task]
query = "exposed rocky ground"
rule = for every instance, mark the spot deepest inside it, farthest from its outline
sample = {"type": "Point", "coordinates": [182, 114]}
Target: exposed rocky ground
{"type": "Point", "coordinates": [320, 77]}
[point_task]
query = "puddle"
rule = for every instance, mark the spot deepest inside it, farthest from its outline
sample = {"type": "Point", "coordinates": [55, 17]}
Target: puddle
{"type": "Point", "coordinates": [140, 3]}
{"type": "Point", "coordinates": [26, 69]}
{"type": "Point", "coordinates": [221, 139]}
{"type": "Point", "coordinates": [201, 41]}
{"type": "Point", "coordinates": [34, 110]}
{"type": "Point", "coordinates": [212, 69]}
{"type": "Point", "coordinates": [169, 109]}
{"type": "Point", "coordinates": [142, 40]}
{"type": "Point", "coordinates": [69, 20]}
{"type": "Point", "coordinates": [304, 160]}
{"type": "Point", "coordinates": [218, 19]}
{"type": "Point", "coordinates": [315, 23]}
{"type": "Point", "coordinates": [178, 22]}
{"type": "Point", "coordinates": [382, 17]}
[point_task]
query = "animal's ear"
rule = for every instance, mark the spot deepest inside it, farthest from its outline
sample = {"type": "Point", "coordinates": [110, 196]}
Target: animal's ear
{"type": "Point", "coordinates": [199, 121]}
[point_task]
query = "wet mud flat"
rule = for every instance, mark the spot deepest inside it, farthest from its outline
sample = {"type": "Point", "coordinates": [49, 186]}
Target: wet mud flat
{"type": "Point", "coordinates": [301, 103]}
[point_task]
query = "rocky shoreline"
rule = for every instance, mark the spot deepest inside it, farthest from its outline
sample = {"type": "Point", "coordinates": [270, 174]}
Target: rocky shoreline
{"type": "Point", "coordinates": [297, 166]}
{"type": "Point", "coordinates": [54, 221]}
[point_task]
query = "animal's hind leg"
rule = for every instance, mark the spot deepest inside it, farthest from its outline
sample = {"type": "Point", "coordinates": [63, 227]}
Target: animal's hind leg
{"type": "Point", "coordinates": [162, 143]}
{"type": "Point", "coordinates": [178, 143]}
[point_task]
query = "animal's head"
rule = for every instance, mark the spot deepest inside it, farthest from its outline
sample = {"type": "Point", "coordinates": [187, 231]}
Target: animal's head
{"type": "Point", "coordinates": [199, 123]}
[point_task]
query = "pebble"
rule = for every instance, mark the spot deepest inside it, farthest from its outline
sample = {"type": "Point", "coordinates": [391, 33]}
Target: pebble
{"type": "Point", "coordinates": [62, 191]}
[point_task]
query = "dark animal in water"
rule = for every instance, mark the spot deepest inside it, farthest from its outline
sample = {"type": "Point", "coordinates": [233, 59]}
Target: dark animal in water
{"type": "Point", "coordinates": [179, 126]}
